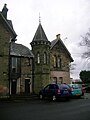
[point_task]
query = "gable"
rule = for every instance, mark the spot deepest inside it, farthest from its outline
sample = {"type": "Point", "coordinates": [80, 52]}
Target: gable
{"type": "Point", "coordinates": [7, 24]}
{"type": "Point", "coordinates": [58, 46]}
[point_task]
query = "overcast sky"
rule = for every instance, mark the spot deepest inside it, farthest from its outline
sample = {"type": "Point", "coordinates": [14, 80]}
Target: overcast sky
{"type": "Point", "coordinates": [70, 18]}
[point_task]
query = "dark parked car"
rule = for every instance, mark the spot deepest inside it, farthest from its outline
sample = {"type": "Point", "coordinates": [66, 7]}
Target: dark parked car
{"type": "Point", "coordinates": [55, 91]}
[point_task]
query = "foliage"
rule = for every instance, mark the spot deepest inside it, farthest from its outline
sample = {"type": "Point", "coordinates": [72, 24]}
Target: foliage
{"type": "Point", "coordinates": [85, 76]}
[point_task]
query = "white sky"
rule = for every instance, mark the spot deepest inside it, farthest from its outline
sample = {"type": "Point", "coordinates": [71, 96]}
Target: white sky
{"type": "Point", "coordinates": [70, 18]}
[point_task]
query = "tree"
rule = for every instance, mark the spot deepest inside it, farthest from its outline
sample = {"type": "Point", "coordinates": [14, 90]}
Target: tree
{"type": "Point", "coordinates": [86, 42]}
{"type": "Point", "coordinates": [85, 76]}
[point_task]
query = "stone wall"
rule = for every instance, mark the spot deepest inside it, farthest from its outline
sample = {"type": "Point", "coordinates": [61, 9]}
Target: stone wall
{"type": "Point", "coordinates": [4, 60]}
{"type": "Point", "coordinates": [26, 73]}
{"type": "Point", "coordinates": [61, 76]}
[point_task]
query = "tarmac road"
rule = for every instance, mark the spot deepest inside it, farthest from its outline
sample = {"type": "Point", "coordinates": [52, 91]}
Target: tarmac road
{"type": "Point", "coordinates": [75, 109]}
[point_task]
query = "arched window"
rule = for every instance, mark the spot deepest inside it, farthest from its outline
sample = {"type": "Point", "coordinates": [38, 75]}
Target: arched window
{"type": "Point", "coordinates": [45, 57]}
{"type": "Point", "coordinates": [55, 80]}
{"type": "Point", "coordinates": [59, 62]}
{"type": "Point", "coordinates": [38, 57]}
{"type": "Point", "coordinates": [60, 80]}
{"type": "Point", "coordinates": [55, 61]}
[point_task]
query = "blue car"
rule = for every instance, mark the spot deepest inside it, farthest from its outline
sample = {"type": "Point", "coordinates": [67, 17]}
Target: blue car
{"type": "Point", "coordinates": [55, 91]}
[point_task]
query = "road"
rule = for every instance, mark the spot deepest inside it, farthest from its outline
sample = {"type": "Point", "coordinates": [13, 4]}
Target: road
{"type": "Point", "coordinates": [75, 109]}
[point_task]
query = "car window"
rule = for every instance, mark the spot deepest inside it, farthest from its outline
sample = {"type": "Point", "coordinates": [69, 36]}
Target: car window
{"type": "Point", "coordinates": [47, 87]}
{"type": "Point", "coordinates": [56, 86]}
{"type": "Point", "coordinates": [75, 86]}
{"type": "Point", "coordinates": [51, 86]}
{"type": "Point", "coordinates": [63, 86]}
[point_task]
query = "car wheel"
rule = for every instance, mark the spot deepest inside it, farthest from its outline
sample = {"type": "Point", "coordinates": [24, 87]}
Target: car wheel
{"type": "Point", "coordinates": [54, 98]}
{"type": "Point", "coordinates": [41, 96]}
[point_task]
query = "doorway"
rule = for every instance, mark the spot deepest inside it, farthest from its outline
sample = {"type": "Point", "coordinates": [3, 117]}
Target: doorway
{"type": "Point", "coordinates": [13, 87]}
{"type": "Point", "coordinates": [27, 86]}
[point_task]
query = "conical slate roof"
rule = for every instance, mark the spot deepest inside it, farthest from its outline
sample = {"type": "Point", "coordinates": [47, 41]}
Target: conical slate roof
{"type": "Point", "coordinates": [40, 34]}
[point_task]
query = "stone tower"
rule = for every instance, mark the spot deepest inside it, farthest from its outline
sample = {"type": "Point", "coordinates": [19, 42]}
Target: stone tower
{"type": "Point", "coordinates": [41, 50]}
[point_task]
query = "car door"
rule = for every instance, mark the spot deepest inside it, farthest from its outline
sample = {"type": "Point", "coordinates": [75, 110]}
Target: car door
{"type": "Point", "coordinates": [50, 90]}
{"type": "Point", "coordinates": [46, 91]}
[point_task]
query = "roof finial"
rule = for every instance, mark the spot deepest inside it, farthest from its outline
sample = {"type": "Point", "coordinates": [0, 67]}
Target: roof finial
{"type": "Point", "coordinates": [39, 19]}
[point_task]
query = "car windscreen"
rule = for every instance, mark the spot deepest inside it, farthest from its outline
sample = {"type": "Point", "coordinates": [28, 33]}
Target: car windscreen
{"type": "Point", "coordinates": [75, 86]}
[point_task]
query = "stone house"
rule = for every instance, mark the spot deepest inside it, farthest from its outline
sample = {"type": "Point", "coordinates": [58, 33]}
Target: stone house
{"type": "Point", "coordinates": [60, 60]}
{"type": "Point", "coordinates": [15, 61]}
{"type": "Point", "coordinates": [51, 61]}
{"type": "Point", "coordinates": [20, 69]}
{"type": "Point", "coordinates": [6, 34]}
{"type": "Point", "coordinates": [25, 71]}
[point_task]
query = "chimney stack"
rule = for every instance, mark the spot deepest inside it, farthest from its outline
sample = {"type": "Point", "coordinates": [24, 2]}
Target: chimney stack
{"type": "Point", "coordinates": [4, 11]}
{"type": "Point", "coordinates": [58, 36]}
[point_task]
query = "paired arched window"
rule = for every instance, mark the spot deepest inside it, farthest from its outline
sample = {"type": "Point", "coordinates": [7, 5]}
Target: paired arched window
{"type": "Point", "coordinates": [57, 61]}
{"type": "Point", "coordinates": [44, 57]}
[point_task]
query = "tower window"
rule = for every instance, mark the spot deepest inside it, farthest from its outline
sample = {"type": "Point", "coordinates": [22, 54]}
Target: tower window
{"type": "Point", "coordinates": [45, 57]}
{"type": "Point", "coordinates": [38, 57]}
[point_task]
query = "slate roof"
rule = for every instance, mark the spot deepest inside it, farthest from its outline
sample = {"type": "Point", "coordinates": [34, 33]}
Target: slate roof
{"type": "Point", "coordinates": [20, 50]}
{"type": "Point", "coordinates": [54, 42]}
{"type": "Point", "coordinates": [40, 34]}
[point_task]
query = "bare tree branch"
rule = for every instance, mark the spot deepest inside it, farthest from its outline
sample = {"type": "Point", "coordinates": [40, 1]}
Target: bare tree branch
{"type": "Point", "coordinates": [86, 42]}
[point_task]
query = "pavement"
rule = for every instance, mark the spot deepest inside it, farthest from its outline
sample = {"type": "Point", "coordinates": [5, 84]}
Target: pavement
{"type": "Point", "coordinates": [20, 98]}
{"type": "Point", "coordinates": [33, 97]}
